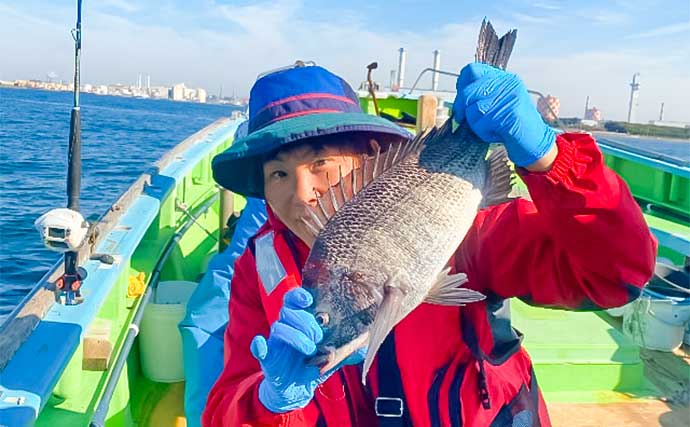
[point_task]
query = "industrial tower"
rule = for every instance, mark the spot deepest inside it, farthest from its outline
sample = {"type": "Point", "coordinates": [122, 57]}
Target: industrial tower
{"type": "Point", "coordinates": [634, 92]}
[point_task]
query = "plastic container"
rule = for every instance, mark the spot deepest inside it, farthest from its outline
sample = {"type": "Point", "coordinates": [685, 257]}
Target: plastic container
{"type": "Point", "coordinates": [618, 311]}
{"type": "Point", "coordinates": [659, 318]}
{"type": "Point", "coordinates": [160, 342]}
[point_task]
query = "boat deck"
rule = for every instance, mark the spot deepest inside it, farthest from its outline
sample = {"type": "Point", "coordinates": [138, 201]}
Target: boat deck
{"type": "Point", "coordinates": [591, 374]}
{"type": "Point", "coordinates": [669, 372]}
{"type": "Point", "coordinates": [652, 388]}
{"type": "Point", "coordinates": [632, 414]}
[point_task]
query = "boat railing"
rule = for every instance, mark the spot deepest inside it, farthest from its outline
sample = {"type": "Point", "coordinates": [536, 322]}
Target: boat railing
{"type": "Point", "coordinates": [99, 416]}
{"type": "Point", "coordinates": [540, 95]}
{"type": "Point", "coordinates": [655, 160]}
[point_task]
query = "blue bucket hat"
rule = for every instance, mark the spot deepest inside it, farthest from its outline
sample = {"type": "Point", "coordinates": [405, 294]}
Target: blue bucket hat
{"type": "Point", "coordinates": [290, 106]}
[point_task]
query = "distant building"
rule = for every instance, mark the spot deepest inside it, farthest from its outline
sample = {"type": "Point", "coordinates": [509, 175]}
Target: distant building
{"type": "Point", "coordinates": [201, 95]}
{"type": "Point", "coordinates": [593, 114]}
{"type": "Point", "coordinates": [178, 92]}
{"type": "Point", "coordinates": [549, 107]}
{"type": "Point", "coordinates": [159, 92]}
{"type": "Point", "coordinates": [189, 93]}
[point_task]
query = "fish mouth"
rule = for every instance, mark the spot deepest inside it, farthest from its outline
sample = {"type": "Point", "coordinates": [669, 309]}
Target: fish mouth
{"type": "Point", "coordinates": [330, 357]}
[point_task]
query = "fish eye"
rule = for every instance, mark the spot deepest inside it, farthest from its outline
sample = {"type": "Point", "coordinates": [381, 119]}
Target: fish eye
{"type": "Point", "coordinates": [322, 319]}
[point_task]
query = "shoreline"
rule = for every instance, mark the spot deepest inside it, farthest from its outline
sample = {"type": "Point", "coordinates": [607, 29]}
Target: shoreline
{"type": "Point", "coordinates": [150, 98]}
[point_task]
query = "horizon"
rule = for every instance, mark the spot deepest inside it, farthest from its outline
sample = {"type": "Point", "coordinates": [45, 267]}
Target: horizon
{"type": "Point", "coordinates": [568, 51]}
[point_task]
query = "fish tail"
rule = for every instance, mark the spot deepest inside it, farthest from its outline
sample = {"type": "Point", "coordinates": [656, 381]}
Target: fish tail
{"type": "Point", "coordinates": [492, 50]}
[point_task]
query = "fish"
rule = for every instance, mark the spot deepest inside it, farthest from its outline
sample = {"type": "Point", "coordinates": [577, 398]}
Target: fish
{"type": "Point", "coordinates": [385, 232]}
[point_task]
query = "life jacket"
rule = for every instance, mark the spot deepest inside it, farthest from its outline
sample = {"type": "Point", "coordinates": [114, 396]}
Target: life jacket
{"type": "Point", "coordinates": [276, 254]}
{"type": "Point", "coordinates": [469, 385]}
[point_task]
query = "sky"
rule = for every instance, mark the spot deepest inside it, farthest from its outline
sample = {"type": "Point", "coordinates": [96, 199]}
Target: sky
{"type": "Point", "coordinates": [564, 48]}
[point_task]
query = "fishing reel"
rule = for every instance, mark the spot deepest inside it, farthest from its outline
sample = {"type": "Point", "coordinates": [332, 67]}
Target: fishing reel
{"type": "Point", "coordinates": [62, 230]}
{"type": "Point", "coordinates": [65, 230]}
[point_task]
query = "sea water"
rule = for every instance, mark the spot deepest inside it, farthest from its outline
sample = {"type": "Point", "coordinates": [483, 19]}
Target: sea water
{"type": "Point", "coordinates": [121, 138]}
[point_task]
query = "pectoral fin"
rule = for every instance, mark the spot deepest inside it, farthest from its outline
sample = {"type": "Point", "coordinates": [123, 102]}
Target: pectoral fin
{"type": "Point", "coordinates": [390, 312]}
{"type": "Point", "coordinates": [447, 290]}
{"type": "Point", "coordinates": [499, 178]}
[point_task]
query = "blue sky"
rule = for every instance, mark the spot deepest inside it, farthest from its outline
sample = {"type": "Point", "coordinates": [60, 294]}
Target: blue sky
{"type": "Point", "coordinates": [565, 48]}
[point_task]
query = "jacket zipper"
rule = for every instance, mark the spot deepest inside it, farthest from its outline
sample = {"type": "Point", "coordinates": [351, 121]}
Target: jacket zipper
{"type": "Point", "coordinates": [483, 389]}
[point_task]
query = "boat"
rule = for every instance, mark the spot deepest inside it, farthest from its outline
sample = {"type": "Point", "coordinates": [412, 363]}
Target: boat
{"type": "Point", "coordinates": [84, 364]}
{"type": "Point", "coordinates": [165, 227]}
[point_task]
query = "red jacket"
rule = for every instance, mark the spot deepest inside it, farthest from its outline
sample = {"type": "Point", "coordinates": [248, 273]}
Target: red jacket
{"type": "Point", "coordinates": [582, 243]}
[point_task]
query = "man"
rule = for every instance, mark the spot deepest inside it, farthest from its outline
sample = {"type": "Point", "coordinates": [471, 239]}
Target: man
{"type": "Point", "coordinates": [446, 366]}
{"type": "Point", "coordinates": [207, 315]}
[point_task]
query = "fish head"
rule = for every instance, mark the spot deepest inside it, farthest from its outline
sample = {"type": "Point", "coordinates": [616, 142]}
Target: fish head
{"type": "Point", "coordinates": [345, 305]}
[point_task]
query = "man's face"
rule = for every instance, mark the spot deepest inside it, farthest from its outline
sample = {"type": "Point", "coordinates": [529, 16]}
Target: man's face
{"type": "Point", "coordinates": [293, 177]}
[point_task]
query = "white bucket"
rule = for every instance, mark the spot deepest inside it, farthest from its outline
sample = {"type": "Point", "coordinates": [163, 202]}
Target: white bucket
{"type": "Point", "coordinates": [618, 311]}
{"type": "Point", "coordinates": [657, 322]}
{"type": "Point", "coordinates": [160, 342]}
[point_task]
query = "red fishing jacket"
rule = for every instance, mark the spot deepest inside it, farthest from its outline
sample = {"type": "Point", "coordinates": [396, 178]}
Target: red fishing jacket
{"type": "Point", "coordinates": [582, 243]}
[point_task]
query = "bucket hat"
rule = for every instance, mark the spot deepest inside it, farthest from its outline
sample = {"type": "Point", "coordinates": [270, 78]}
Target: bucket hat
{"type": "Point", "coordinates": [287, 107]}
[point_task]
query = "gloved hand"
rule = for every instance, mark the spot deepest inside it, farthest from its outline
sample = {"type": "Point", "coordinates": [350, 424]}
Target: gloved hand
{"type": "Point", "coordinates": [499, 109]}
{"type": "Point", "coordinates": [289, 382]}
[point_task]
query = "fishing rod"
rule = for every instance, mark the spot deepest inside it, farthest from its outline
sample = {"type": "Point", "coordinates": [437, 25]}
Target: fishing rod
{"type": "Point", "coordinates": [74, 159]}
{"type": "Point", "coordinates": [71, 279]}
{"type": "Point", "coordinates": [64, 230]}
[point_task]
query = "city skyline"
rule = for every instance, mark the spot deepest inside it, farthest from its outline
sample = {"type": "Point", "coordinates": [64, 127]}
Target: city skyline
{"type": "Point", "coordinates": [567, 51]}
{"type": "Point", "coordinates": [177, 92]}
{"type": "Point", "coordinates": [141, 81]}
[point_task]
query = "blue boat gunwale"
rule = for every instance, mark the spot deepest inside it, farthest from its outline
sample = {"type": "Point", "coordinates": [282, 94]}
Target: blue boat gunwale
{"type": "Point", "coordinates": [660, 162]}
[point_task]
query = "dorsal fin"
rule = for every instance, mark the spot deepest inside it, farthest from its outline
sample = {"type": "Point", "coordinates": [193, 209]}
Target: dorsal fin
{"type": "Point", "coordinates": [370, 168]}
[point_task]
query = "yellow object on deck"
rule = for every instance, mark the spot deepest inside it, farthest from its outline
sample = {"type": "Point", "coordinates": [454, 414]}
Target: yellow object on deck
{"type": "Point", "coordinates": [136, 286]}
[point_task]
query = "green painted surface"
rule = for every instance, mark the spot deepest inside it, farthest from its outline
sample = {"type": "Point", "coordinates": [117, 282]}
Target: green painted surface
{"type": "Point", "coordinates": [578, 356]}
{"type": "Point", "coordinates": [391, 105]}
{"type": "Point", "coordinates": [654, 186]}
{"type": "Point", "coordinates": [675, 228]}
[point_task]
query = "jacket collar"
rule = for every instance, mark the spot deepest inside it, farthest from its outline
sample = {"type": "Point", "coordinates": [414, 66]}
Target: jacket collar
{"type": "Point", "coordinates": [280, 228]}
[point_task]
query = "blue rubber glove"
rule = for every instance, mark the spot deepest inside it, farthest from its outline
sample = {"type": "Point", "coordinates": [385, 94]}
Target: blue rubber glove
{"type": "Point", "coordinates": [289, 382]}
{"type": "Point", "coordinates": [499, 109]}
